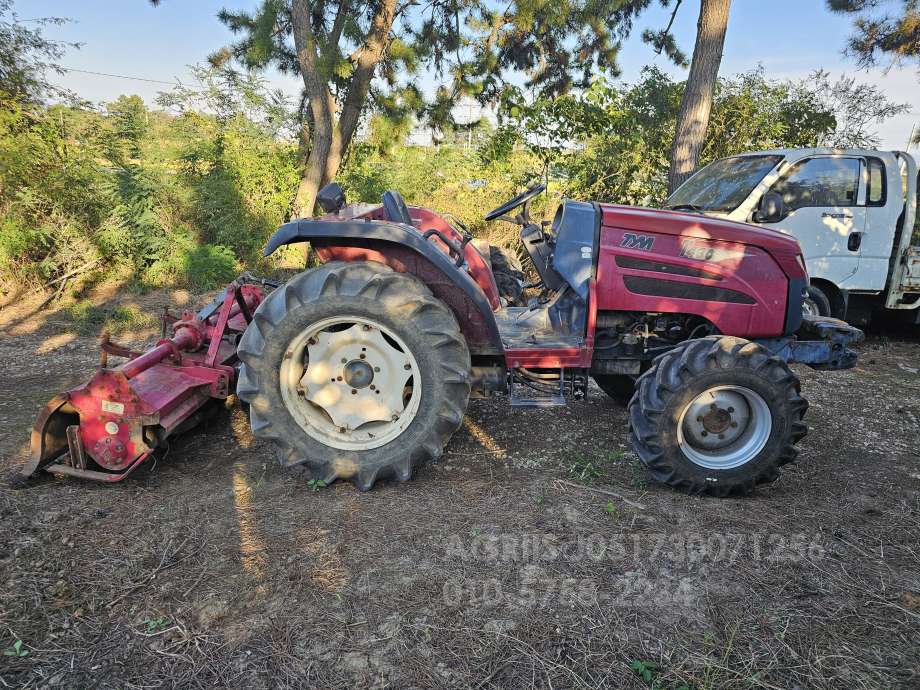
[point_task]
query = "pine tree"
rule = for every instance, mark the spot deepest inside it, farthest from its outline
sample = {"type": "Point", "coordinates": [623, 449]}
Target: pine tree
{"type": "Point", "coordinates": [894, 34]}
{"type": "Point", "coordinates": [354, 56]}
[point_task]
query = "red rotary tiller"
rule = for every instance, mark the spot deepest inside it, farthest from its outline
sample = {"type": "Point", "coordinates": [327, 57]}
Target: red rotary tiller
{"type": "Point", "coordinates": [123, 413]}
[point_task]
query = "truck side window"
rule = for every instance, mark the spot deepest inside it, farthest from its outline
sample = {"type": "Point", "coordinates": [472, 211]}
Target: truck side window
{"type": "Point", "coordinates": [820, 182]}
{"type": "Point", "coordinates": [875, 194]}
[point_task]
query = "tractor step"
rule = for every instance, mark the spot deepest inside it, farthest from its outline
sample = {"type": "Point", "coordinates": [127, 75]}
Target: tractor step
{"type": "Point", "coordinates": [537, 401]}
{"type": "Point", "coordinates": [545, 389]}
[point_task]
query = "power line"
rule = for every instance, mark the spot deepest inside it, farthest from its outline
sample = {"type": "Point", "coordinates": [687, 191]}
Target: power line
{"type": "Point", "coordinates": [120, 76]}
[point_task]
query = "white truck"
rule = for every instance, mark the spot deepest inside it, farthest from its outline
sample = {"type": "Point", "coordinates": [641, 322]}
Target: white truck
{"type": "Point", "coordinates": [853, 212]}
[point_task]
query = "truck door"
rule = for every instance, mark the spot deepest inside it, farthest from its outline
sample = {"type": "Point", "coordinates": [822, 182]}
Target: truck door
{"type": "Point", "coordinates": [824, 213]}
{"type": "Point", "coordinates": [884, 206]}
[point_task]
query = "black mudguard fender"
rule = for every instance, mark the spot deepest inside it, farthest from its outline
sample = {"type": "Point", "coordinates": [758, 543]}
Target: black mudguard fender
{"type": "Point", "coordinates": [483, 337]}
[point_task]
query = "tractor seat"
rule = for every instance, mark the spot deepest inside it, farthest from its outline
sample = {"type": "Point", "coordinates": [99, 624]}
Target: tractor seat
{"type": "Point", "coordinates": [395, 207]}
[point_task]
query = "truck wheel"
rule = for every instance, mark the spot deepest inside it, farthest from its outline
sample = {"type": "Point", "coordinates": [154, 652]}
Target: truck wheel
{"type": "Point", "coordinates": [355, 372]}
{"type": "Point", "coordinates": [620, 387]}
{"type": "Point", "coordinates": [718, 415]}
{"type": "Point", "coordinates": [816, 302]}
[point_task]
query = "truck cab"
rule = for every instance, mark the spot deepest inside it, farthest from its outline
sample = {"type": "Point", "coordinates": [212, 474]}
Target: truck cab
{"type": "Point", "coordinates": [852, 211]}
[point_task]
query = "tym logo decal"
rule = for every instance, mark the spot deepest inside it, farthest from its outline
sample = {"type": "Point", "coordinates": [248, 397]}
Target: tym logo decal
{"type": "Point", "coordinates": [644, 242]}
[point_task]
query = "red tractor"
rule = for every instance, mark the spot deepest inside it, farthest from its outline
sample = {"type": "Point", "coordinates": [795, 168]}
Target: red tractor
{"type": "Point", "coordinates": [362, 368]}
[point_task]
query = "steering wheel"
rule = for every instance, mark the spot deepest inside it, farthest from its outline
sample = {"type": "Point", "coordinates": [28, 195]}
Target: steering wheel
{"type": "Point", "coordinates": [396, 208]}
{"type": "Point", "coordinates": [512, 204]}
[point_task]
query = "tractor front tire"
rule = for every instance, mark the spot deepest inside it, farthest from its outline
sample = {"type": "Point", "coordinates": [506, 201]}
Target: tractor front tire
{"type": "Point", "coordinates": [717, 415]}
{"type": "Point", "coordinates": [356, 372]}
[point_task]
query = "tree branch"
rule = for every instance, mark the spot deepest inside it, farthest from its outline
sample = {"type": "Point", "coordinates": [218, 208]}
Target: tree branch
{"type": "Point", "coordinates": [338, 23]}
{"type": "Point", "coordinates": [667, 29]}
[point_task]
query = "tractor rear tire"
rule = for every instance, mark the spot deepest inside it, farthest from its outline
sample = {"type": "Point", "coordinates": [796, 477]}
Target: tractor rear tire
{"type": "Point", "coordinates": [717, 415]}
{"type": "Point", "coordinates": [300, 387]}
{"type": "Point", "coordinates": [620, 387]}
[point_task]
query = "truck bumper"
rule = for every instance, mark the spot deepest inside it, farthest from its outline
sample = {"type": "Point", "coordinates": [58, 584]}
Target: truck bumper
{"type": "Point", "coordinates": [820, 342]}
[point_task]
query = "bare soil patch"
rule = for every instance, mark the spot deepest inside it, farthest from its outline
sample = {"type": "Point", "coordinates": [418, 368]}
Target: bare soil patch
{"type": "Point", "coordinates": [533, 554]}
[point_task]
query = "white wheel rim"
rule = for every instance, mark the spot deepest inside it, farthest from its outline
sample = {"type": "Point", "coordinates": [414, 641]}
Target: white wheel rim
{"type": "Point", "coordinates": [810, 307]}
{"type": "Point", "coordinates": [350, 383]}
{"type": "Point", "coordinates": [724, 427]}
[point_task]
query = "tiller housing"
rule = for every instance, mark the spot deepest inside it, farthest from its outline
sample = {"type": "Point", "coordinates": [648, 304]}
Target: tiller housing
{"type": "Point", "coordinates": [106, 429]}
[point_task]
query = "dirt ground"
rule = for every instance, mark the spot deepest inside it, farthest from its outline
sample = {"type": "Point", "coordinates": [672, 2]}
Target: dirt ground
{"type": "Point", "coordinates": [533, 554]}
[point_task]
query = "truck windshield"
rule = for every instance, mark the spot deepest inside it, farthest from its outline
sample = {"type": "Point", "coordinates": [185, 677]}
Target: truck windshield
{"type": "Point", "coordinates": [722, 185]}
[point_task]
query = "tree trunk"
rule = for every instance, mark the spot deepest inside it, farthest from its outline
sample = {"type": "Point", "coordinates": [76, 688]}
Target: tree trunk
{"type": "Point", "coordinates": [367, 58]}
{"type": "Point", "coordinates": [696, 102]}
{"type": "Point", "coordinates": [315, 173]}
{"type": "Point", "coordinates": [331, 136]}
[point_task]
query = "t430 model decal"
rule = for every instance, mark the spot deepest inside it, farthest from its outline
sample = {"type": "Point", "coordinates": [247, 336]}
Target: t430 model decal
{"type": "Point", "coordinates": [701, 250]}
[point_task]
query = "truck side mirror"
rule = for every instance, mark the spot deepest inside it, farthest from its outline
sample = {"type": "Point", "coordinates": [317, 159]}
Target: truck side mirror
{"type": "Point", "coordinates": [771, 208]}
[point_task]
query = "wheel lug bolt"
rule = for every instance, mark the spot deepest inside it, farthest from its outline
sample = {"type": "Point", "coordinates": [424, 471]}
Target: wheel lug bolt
{"type": "Point", "coordinates": [341, 429]}
{"type": "Point", "coordinates": [363, 356]}
{"type": "Point", "coordinates": [372, 386]}
{"type": "Point", "coordinates": [713, 406]}
{"type": "Point", "coordinates": [699, 419]}
{"type": "Point", "coordinates": [734, 425]}
{"type": "Point", "coordinates": [721, 436]}
{"type": "Point", "coordinates": [338, 378]}
{"type": "Point", "coordinates": [344, 361]}
{"type": "Point", "coordinates": [704, 433]}
{"type": "Point", "coordinates": [376, 368]}
{"type": "Point", "coordinates": [394, 417]}
{"type": "Point", "coordinates": [354, 392]}
{"type": "Point", "coordinates": [730, 410]}
{"type": "Point", "coordinates": [407, 366]}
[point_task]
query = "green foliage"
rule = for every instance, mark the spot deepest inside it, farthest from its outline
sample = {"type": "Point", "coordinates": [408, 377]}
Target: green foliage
{"type": "Point", "coordinates": [387, 133]}
{"type": "Point", "coordinates": [16, 649]}
{"type": "Point", "coordinates": [645, 670]}
{"type": "Point", "coordinates": [188, 196]}
{"type": "Point", "coordinates": [586, 469]}
{"type": "Point", "coordinates": [210, 265]}
{"type": "Point", "coordinates": [154, 625]}
{"type": "Point", "coordinates": [129, 121]}
{"type": "Point", "coordinates": [882, 28]}
{"type": "Point", "coordinates": [450, 180]}
{"type": "Point", "coordinates": [612, 510]}
{"type": "Point", "coordinates": [88, 319]}
{"type": "Point", "coordinates": [611, 142]}
{"type": "Point", "coordinates": [26, 56]}
{"type": "Point", "coordinates": [164, 199]}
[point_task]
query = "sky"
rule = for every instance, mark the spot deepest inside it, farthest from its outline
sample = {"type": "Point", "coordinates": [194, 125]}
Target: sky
{"type": "Point", "coordinates": [789, 38]}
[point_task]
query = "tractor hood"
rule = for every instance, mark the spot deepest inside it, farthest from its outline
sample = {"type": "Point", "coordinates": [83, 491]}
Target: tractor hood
{"type": "Point", "coordinates": [641, 219]}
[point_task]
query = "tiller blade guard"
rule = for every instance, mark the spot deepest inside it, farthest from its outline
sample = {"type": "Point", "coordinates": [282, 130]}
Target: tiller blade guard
{"type": "Point", "coordinates": [107, 428]}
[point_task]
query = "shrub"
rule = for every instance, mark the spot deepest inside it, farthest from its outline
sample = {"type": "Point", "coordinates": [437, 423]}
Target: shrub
{"type": "Point", "coordinates": [209, 266]}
